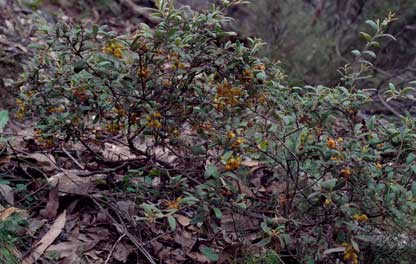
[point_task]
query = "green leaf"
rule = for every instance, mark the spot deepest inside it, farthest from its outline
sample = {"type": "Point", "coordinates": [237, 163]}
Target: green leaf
{"type": "Point", "coordinates": [212, 171]}
{"type": "Point", "coordinates": [79, 65]}
{"type": "Point", "coordinates": [227, 155]}
{"type": "Point", "coordinates": [356, 53]}
{"type": "Point", "coordinates": [370, 53]}
{"type": "Point", "coordinates": [386, 36]}
{"type": "Point", "coordinates": [198, 150]}
{"type": "Point", "coordinates": [264, 242]}
{"type": "Point", "coordinates": [410, 158]}
{"type": "Point", "coordinates": [329, 184]}
{"type": "Point", "coordinates": [211, 256]}
{"type": "Point", "coordinates": [334, 250]}
{"type": "Point", "coordinates": [261, 76]}
{"type": "Point", "coordinates": [366, 36]}
{"type": "Point", "coordinates": [372, 24]}
{"type": "Point", "coordinates": [172, 222]}
{"type": "Point", "coordinates": [355, 245]}
{"type": "Point", "coordinates": [35, 46]}
{"type": "Point", "coordinates": [217, 212]}
{"type": "Point", "coordinates": [4, 118]}
{"type": "Point", "coordinates": [95, 30]}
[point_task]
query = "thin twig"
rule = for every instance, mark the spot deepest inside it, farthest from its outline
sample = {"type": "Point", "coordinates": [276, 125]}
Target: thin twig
{"type": "Point", "coordinates": [113, 248]}
{"type": "Point", "coordinates": [123, 229]}
{"type": "Point", "coordinates": [70, 156]}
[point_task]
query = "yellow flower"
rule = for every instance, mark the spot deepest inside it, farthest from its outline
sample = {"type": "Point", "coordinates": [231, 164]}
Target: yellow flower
{"type": "Point", "coordinates": [360, 217]}
{"type": "Point", "coordinates": [112, 128]}
{"type": "Point", "coordinates": [20, 114]}
{"type": "Point", "coordinates": [154, 124]}
{"type": "Point", "coordinates": [176, 132]}
{"type": "Point", "coordinates": [237, 143]}
{"type": "Point", "coordinates": [233, 163]}
{"type": "Point", "coordinates": [328, 202]}
{"type": "Point", "coordinates": [113, 48]}
{"type": "Point", "coordinates": [19, 102]}
{"type": "Point", "coordinates": [350, 254]}
{"type": "Point", "coordinates": [262, 99]}
{"type": "Point", "coordinates": [379, 166]}
{"type": "Point", "coordinates": [120, 111]}
{"type": "Point", "coordinates": [226, 95]}
{"type": "Point", "coordinates": [231, 135]}
{"type": "Point", "coordinates": [153, 120]}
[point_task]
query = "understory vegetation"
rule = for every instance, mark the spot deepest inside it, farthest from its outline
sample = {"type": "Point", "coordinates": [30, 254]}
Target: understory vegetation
{"type": "Point", "coordinates": [188, 146]}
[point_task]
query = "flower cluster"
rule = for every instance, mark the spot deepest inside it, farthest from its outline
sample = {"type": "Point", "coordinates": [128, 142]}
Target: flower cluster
{"type": "Point", "coordinates": [21, 109]}
{"type": "Point", "coordinates": [114, 48]}
{"type": "Point", "coordinates": [350, 254]}
{"type": "Point", "coordinates": [233, 163]}
{"type": "Point", "coordinates": [153, 120]}
{"type": "Point", "coordinates": [334, 143]}
{"type": "Point", "coordinates": [227, 95]}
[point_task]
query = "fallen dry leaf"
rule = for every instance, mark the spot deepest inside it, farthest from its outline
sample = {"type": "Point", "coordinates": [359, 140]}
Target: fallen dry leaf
{"type": "Point", "coordinates": [35, 224]}
{"type": "Point", "coordinates": [69, 182]}
{"type": "Point", "coordinates": [116, 153]}
{"type": "Point", "coordinates": [51, 208]}
{"type": "Point", "coordinates": [4, 159]}
{"type": "Point", "coordinates": [186, 240]}
{"type": "Point", "coordinates": [122, 251]}
{"type": "Point", "coordinates": [183, 220]}
{"type": "Point", "coordinates": [198, 257]}
{"type": "Point", "coordinates": [47, 239]}
{"type": "Point", "coordinates": [65, 250]}
{"type": "Point", "coordinates": [128, 208]}
{"type": "Point", "coordinates": [247, 162]}
{"type": "Point", "coordinates": [45, 161]}
{"type": "Point", "coordinates": [6, 213]}
{"type": "Point", "coordinates": [6, 192]}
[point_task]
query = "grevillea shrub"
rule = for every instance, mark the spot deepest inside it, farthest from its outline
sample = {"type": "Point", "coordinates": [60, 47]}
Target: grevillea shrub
{"type": "Point", "coordinates": [335, 185]}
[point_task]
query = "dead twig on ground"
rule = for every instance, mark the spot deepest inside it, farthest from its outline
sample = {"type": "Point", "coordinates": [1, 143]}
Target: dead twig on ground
{"type": "Point", "coordinates": [113, 248]}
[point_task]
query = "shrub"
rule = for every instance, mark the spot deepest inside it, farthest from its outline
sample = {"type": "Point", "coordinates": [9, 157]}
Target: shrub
{"type": "Point", "coordinates": [9, 236]}
{"type": "Point", "coordinates": [333, 182]}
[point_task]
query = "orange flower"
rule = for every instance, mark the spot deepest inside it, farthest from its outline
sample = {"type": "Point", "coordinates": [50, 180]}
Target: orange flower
{"type": "Point", "coordinates": [346, 172]}
{"type": "Point", "coordinates": [248, 74]}
{"type": "Point", "coordinates": [144, 73]}
{"type": "Point", "coordinates": [175, 204]}
{"type": "Point", "coordinates": [331, 143]}
{"type": "Point", "coordinates": [166, 83]}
